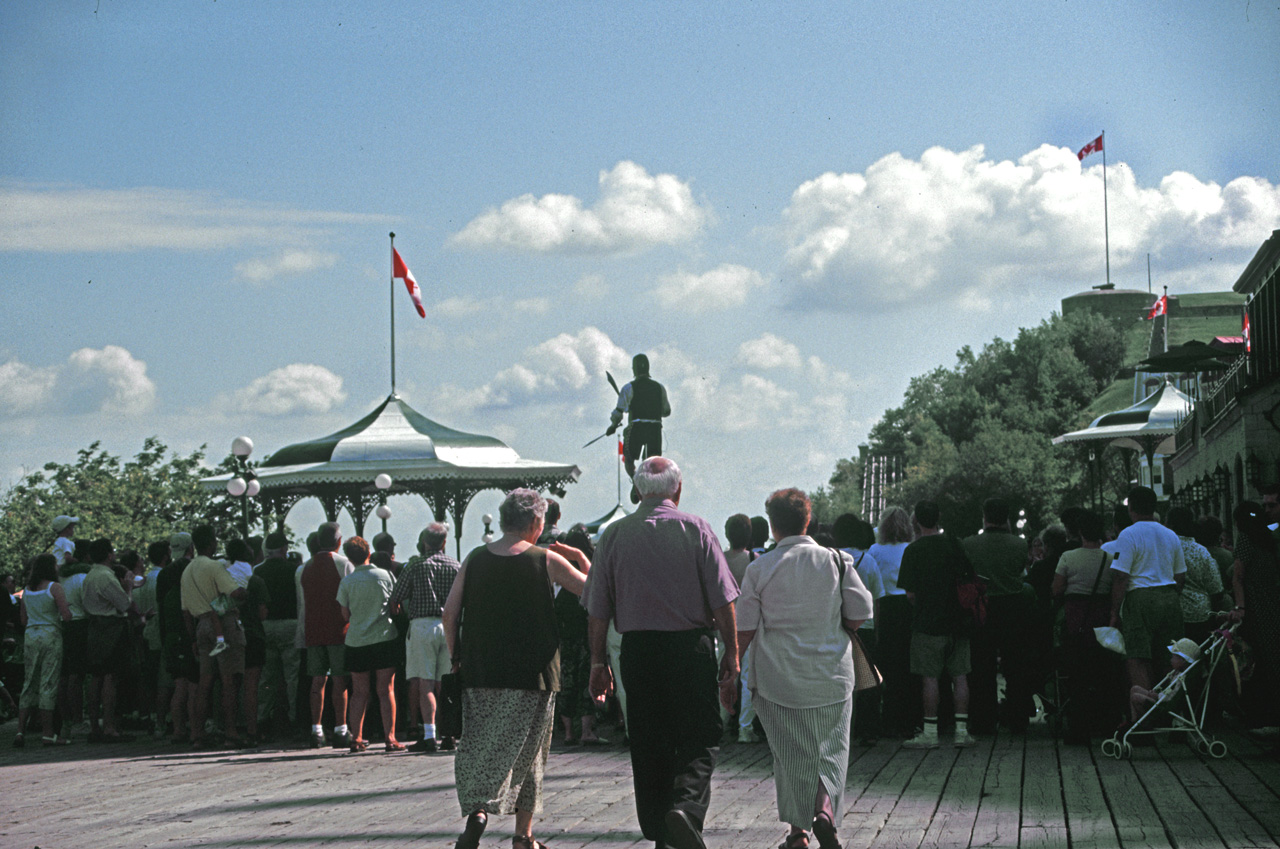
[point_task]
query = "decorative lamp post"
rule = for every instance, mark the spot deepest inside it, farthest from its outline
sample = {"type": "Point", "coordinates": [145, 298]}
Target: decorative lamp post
{"type": "Point", "coordinates": [487, 518]}
{"type": "Point", "coordinates": [245, 484]}
{"type": "Point", "coordinates": [383, 483]}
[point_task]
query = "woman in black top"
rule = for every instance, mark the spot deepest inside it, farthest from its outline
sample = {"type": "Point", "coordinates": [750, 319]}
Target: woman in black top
{"type": "Point", "coordinates": [500, 624]}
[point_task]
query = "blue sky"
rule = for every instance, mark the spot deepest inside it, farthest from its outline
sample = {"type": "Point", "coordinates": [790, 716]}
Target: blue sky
{"type": "Point", "coordinates": [793, 210]}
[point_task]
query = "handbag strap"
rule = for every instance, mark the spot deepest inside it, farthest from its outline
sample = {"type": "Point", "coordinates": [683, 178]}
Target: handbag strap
{"type": "Point", "coordinates": [1098, 578]}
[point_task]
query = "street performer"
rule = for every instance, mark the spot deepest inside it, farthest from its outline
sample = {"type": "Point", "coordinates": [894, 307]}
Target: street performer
{"type": "Point", "coordinates": [644, 400]}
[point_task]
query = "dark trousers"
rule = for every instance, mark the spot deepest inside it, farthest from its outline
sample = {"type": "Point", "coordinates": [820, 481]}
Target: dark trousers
{"type": "Point", "coordinates": [1003, 642]}
{"type": "Point", "coordinates": [673, 720]}
{"type": "Point", "coordinates": [641, 437]}
{"type": "Point", "coordinates": [901, 706]}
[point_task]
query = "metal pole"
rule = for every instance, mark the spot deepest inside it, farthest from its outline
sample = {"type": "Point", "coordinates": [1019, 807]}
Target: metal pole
{"type": "Point", "coordinates": [393, 315]}
{"type": "Point", "coordinates": [1106, 227]}
{"type": "Point", "coordinates": [1166, 319]}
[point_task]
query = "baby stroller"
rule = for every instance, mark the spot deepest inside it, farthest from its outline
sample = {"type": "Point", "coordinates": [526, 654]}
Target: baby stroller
{"type": "Point", "coordinates": [1183, 696]}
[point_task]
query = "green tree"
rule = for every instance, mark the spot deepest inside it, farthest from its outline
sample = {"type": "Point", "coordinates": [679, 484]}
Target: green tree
{"type": "Point", "coordinates": [133, 502]}
{"type": "Point", "coordinates": [984, 427]}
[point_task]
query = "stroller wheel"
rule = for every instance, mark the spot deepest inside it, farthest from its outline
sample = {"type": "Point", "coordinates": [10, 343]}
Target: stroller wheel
{"type": "Point", "coordinates": [1217, 749]}
{"type": "Point", "coordinates": [1202, 746]}
{"type": "Point", "coordinates": [1111, 748]}
{"type": "Point", "coordinates": [1126, 750]}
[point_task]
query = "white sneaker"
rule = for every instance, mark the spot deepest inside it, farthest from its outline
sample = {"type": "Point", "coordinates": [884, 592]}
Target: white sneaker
{"type": "Point", "coordinates": [922, 741]}
{"type": "Point", "coordinates": [748, 735]}
{"type": "Point", "coordinates": [218, 648]}
{"type": "Point", "coordinates": [964, 739]}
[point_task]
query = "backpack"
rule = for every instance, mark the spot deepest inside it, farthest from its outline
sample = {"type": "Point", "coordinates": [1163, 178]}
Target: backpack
{"type": "Point", "coordinates": [971, 594]}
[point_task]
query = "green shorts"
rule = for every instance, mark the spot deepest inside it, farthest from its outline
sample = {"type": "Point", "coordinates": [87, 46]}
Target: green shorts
{"type": "Point", "coordinates": [1150, 619]}
{"type": "Point", "coordinates": [932, 655]}
{"type": "Point", "coordinates": [326, 660]}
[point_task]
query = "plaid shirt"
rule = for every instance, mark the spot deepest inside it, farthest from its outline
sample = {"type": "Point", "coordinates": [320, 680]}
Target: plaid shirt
{"type": "Point", "coordinates": [424, 585]}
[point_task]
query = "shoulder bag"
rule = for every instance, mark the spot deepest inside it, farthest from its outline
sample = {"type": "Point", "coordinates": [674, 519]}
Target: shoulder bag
{"type": "Point", "coordinates": [865, 674]}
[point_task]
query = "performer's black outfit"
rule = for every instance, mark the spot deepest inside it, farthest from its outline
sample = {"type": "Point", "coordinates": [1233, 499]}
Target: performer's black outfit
{"type": "Point", "coordinates": [644, 401]}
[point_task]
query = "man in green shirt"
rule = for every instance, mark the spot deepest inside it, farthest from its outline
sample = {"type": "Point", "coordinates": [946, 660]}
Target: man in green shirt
{"type": "Point", "coordinates": [107, 605]}
{"type": "Point", "coordinates": [1000, 558]}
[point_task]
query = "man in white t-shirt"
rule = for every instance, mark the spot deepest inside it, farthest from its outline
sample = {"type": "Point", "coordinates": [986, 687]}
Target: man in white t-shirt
{"type": "Point", "coordinates": [1146, 578]}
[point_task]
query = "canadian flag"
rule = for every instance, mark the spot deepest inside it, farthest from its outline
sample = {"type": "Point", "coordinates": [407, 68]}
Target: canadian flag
{"type": "Point", "coordinates": [623, 453]}
{"type": "Point", "coordinates": [1248, 345]}
{"type": "Point", "coordinates": [1160, 307]}
{"type": "Point", "coordinates": [1094, 146]}
{"type": "Point", "coordinates": [401, 271]}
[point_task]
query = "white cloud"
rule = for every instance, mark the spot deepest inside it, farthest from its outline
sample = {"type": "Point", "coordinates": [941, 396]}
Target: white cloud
{"type": "Point", "coordinates": [285, 264]}
{"type": "Point", "coordinates": [67, 219]}
{"type": "Point", "coordinates": [726, 286]}
{"type": "Point", "coordinates": [958, 226]}
{"type": "Point", "coordinates": [127, 390]}
{"type": "Point", "coordinates": [295, 388]}
{"type": "Point", "coordinates": [463, 307]}
{"type": "Point", "coordinates": [768, 352]}
{"type": "Point", "coordinates": [107, 381]}
{"type": "Point", "coordinates": [635, 210]}
{"type": "Point", "coordinates": [591, 287]}
{"type": "Point", "coordinates": [24, 388]}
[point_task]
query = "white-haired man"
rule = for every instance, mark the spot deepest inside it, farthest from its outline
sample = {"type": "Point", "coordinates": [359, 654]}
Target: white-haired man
{"type": "Point", "coordinates": [423, 587]}
{"type": "Point", "coordinates": [661, 576]}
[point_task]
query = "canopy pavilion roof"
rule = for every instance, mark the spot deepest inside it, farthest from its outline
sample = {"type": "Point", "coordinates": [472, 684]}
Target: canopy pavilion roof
{"type": "Point", "coordinates": [1148, 426]}
{"type": "Point", "coordinates": [597, 526]}
{"type": "Point", "coordinates": [444, 466]}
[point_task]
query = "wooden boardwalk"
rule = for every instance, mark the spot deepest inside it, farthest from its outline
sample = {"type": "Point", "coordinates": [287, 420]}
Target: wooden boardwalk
{"type": "Point", "coordinates": [1011, 791]}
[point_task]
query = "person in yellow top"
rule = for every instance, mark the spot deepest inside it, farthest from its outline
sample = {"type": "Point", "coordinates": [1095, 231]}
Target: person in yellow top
{"type": "Point", "coordinates": [203, 581]}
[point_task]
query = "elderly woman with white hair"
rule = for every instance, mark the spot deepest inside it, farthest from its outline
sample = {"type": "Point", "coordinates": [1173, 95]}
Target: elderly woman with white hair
{"type": "Point", "coordinates": [798, 604]}
{"type": "Point", "coordinates": [500, 624]}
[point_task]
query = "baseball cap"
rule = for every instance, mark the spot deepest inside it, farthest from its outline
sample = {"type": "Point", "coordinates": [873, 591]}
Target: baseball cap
{"type": "Point", "coordinates": [179, 542]}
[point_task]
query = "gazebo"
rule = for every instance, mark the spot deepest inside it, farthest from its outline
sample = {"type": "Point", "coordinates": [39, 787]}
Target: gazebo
{"type": "Point", "coordinates": [1147, 427]}
{"type": "Point", "coordinates": [445, 466]}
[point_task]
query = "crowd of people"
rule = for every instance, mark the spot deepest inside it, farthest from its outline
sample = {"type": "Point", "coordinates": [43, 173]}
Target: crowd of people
{"type": "Point", "coordinates": [658, 616]}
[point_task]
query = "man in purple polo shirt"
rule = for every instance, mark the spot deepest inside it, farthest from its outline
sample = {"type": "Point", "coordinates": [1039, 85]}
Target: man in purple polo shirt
{"type": "Point", "coordinates": [661, 576]}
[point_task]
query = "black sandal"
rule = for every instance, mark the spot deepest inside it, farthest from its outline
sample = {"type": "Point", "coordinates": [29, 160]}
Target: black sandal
{"type": "Point", "coordinates": [825, 830]}
{"type": "Point", "coordinates": [518, 842]}
{"type": "Point", "coordinates": [470, 838]}
{"type": "Point", "coordinates": [795, 841]}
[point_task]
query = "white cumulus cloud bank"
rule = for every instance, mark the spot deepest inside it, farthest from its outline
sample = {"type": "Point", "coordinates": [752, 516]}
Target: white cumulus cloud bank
{"type": "Point", "coordinates": [720, 288]}
{"type": "Point", "coordinates": [285, 264]}
{"type": "Point", "coordinates": [957, 225]}
{"type": "Point", "coordinates": [635, 210]}
{"type": "Point", "coordinates": [69, 219]}
{"type": "Point", "coordinates": [108, 381]}
{"type": "Point", "coordinates": [560, 369]}
{"type": "Point", "coordinates": [297, 388]}
{"type": "Point", "coordinates": [769, 352]}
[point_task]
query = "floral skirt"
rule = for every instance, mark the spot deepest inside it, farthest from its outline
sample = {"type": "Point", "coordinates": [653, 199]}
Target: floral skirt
{"type": "Point", "coordinates": [502, 753]}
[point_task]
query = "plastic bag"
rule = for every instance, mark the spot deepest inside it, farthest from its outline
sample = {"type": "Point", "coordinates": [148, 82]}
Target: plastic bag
{"type": "Point", "coordinates": [1110, 638]}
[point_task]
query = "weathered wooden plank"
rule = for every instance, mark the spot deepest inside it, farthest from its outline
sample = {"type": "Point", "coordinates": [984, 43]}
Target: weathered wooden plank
{"type": "Point", "coordinates": [1184, 823]}
{"type": "Point", "coordinates": [910, 818]}
{"type": "Point", "coordinates": [1004, 792]}
{"type": "Point", "coordinates": [1137, 823]}
{"type": "Point", "coordinates": [1089, 822]}
{"type": "Point", "coordinates": [999, 819]}
{"type": "Point", "coordinates": [952, 823]}
{"type": "Point", "coordinates": [1044, 822]}
{"type": "Point", "coordinates": [1229, 817]}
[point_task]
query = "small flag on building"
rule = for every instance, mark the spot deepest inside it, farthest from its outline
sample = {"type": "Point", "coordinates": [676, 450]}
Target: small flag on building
{"type": "Point", "coordinates": [1160, 307]}
{"type": "Point", "coordinates": [1248, 345]}
{"type": "Point", "coordinates": [401, 271]}
{"type": "Point", "coordinates": [1094, 146]}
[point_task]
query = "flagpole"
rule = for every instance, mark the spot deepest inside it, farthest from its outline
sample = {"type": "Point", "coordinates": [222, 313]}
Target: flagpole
{"type": "Point", "coordinates": [1106, 226]}
{"type": "Point", "coordinates": [393, 313]}
{"type": "Point", "coordinates": [1166, 319]}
